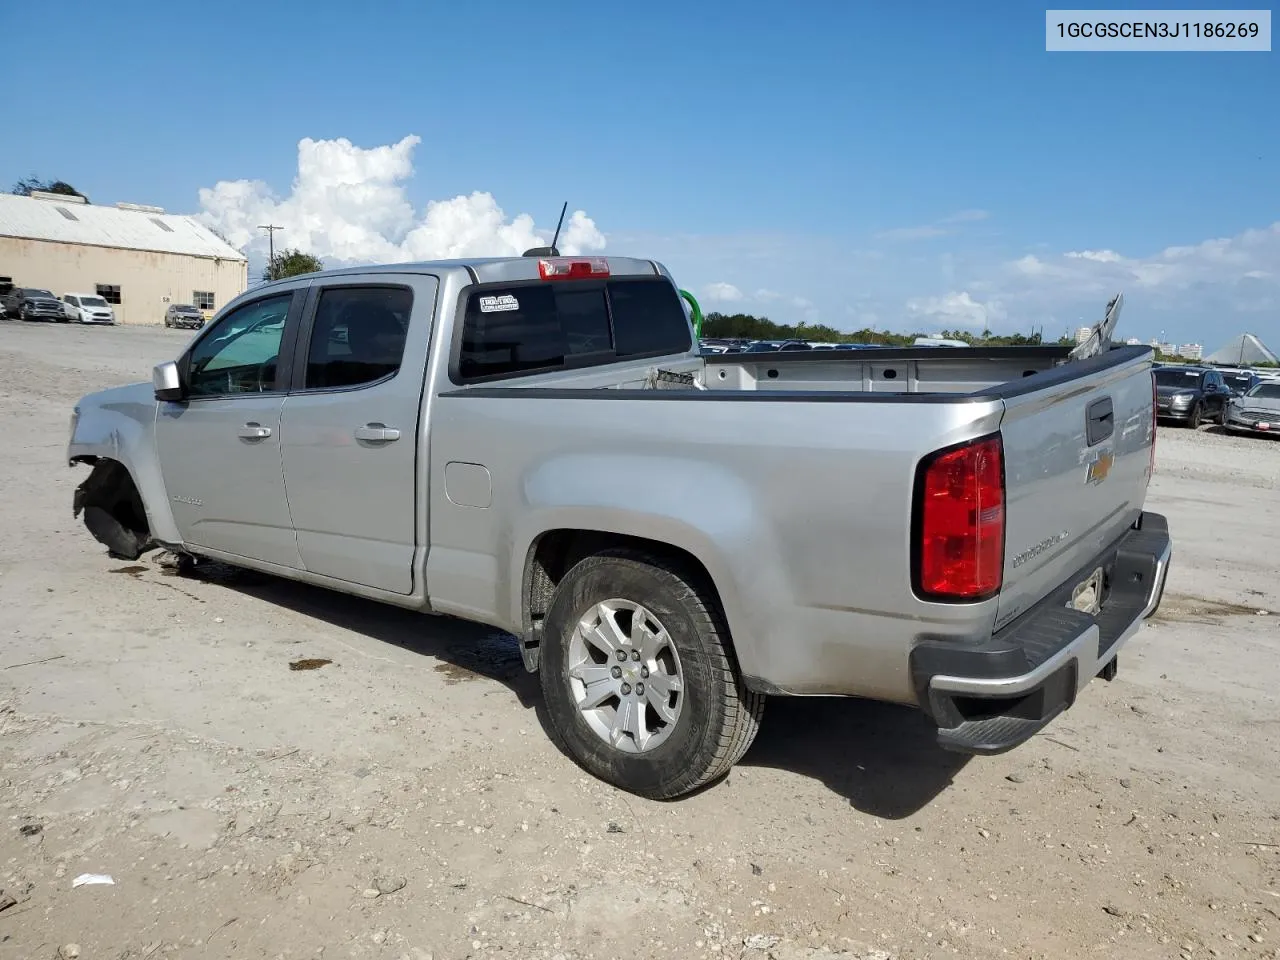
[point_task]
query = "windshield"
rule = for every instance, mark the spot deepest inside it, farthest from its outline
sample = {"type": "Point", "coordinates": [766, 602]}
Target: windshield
{"type": "Point", "coordinates": [92, 302]}
{"type": "Point", "coordinates": [185, 308]}
{"type": "Point", "coordinates": [33, 292]}
{"type": "Point", "coordinates": [1178, 378]}
{"type": "Point", "coordinates": [1265, 391]}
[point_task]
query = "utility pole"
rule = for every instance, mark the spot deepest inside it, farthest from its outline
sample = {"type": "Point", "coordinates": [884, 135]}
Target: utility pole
{"type": "Point", "coordinates": [271, 229]}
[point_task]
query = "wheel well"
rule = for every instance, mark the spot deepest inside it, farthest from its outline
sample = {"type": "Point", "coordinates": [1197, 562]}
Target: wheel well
{"type": "Point", "coordinates": [113, 508]}
{"type": "Point", "coordinates": [554, 553]}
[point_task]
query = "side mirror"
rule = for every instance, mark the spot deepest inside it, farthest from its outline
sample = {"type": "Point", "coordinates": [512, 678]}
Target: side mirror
{"type": "Point", "coordinates": [167, 382]}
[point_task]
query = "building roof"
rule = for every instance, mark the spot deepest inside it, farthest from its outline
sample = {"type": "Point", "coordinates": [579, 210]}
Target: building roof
{"type": "Point", "coordinates": [1243, 350]}
{"type": "Point", "coordinates": [67, 220]}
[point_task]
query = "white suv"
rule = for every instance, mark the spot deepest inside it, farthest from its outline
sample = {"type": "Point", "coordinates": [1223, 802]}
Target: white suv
{"type": "Point", "coordinates": [87, 308]}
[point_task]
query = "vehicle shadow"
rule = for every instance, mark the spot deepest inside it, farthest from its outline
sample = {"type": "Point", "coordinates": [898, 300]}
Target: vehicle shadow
{"type": "Point", "coordinates": [882, 757]}
{"type": "Point", "coordinates": [465, 651]}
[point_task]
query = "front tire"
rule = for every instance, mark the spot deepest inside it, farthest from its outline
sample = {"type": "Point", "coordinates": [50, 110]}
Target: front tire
{"type": "Point", "coordinates": [640, 685]}
{"type": "Point", "coordinates": [1193, 418]}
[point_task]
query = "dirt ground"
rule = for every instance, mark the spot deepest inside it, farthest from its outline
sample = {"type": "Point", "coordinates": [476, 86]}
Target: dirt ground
{"type": "Point", "coordinates": [403, 801]}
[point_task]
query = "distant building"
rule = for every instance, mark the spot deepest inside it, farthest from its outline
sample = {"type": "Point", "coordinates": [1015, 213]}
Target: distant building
{"type": "Point", "coordinates": [140, 259]}
{"type": "Point", "coordinates": [1083, 334]}
{"type": "Point", "coordinates": [1191, 351]}
{"type": "Point", "coordinates": [1133, 342]}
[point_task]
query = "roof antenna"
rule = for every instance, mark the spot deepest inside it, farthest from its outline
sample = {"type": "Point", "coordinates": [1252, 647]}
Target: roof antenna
{"type": "Point", "coordinates": [550, 251]}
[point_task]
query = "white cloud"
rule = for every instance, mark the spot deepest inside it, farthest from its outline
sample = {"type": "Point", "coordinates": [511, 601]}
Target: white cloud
{"type": "Point", "coordinates": [722, 293]}
{"type": "Point", "coordinates": [1220, 264]}
{"type": "Point", "coordinates": [349, 204]}
{"type": "Point", "coordinates": [1099, 256]}
{"type": "Point", "coordinates": [967, 216]}
{"type": "Point", "coordinates": [958, 308]}
{"type": "Point", "coordinates": [939, 228]}
{"type": "Point", "coordinates": [926, 232]}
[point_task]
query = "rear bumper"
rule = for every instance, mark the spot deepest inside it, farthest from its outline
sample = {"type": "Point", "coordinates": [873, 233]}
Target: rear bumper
{"type": "Point", "coordinates": [990, 697]}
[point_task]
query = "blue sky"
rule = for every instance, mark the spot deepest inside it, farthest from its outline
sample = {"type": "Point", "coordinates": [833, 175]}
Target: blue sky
{"type": "Point", "coordinates": [910, 166]}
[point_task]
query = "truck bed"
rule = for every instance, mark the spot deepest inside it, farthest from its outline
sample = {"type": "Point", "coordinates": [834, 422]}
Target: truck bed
{"type": "Point", "coordinates": [853, 374]}
{"type": "Point", "coordinates": [795, 490]}
{"type": "Point", "coordinates": [893, 371]}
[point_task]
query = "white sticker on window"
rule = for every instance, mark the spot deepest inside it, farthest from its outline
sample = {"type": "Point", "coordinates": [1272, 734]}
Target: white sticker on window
{"type": "Point", "coordinates": [498, 304]}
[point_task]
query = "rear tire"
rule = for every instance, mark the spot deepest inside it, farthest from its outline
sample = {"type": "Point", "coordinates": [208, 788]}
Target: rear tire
{"type": "Point", "coordinates": [696, 720]}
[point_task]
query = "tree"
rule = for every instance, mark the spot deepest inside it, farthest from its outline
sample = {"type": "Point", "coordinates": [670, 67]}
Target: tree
{"type": "Point", "coordinates": [291, 263]}
{"type": "Point", "coordinates": [762, 328]}
{"type": "Point", "coordinates": [26, 185]}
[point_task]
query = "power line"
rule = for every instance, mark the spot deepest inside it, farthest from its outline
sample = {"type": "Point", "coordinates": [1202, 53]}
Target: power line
{"type": "Point", "coordinates": [271, 229]}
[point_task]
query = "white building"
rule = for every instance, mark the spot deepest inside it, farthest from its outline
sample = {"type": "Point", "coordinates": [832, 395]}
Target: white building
{"type": "Point", "coordinates": [138, 258]}
{"type": "Point", "coordinates": [1191, 351]}
{"type": "Point", "coordinates": [1083, 334]}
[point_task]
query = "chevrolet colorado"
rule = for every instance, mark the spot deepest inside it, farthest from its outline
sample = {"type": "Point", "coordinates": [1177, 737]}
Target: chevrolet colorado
{"type": "Point", "coordinates": [537, 443]}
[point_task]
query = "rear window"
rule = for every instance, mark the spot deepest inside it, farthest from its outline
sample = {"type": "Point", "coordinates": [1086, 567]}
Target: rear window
{"type": "Point", "coordinates": [521, 328]}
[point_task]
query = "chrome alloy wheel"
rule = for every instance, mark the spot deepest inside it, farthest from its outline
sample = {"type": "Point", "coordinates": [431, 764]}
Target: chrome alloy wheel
{"type": "Point", "coordinates": [625, 676]}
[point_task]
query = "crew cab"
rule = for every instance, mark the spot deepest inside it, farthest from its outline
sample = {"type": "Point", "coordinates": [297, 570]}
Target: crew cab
{"type": "Point", "coordinates": [33, 303]}
{"type": "Point", "coordinates": [538, 444]}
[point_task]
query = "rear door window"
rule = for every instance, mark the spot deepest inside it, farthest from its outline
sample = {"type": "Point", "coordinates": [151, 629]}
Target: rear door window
{"type": "Point", "coordinates": [358, 336]}
{"type": "Point", "coordinates": [523, 328]}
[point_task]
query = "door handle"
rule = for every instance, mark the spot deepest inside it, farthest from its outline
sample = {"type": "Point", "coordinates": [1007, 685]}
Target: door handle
{"type": "Point", "coordinates": [254, 431]}
{"type": "Point", "coordinates": [1099, 421]}
{"type": "Point", "coordinates": [377, 433]}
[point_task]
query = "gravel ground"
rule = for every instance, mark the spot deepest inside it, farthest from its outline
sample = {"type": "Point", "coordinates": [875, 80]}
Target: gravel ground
{"type": "Point", "coordinates": [403, 801]}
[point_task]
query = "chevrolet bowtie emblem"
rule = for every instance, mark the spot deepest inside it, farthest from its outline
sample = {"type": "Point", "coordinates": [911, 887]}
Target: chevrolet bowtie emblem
{"type": "Point", "coordinates": [1100, 466]}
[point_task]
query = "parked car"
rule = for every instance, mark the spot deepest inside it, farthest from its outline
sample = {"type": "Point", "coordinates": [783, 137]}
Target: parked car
{"type": "Point", "coordinates": [87, 308]}
{"type": "Point", "coordinates": [33, 303]}
{"type": "Point", "coordinates": [183, 315]}
{"type": "Point", "coordinates": [1190, 395]}
{"type": "Point", "coordinates": [1258, 411]}
{"type": "Point", "coordinates": [484, 443]}
{"type": "Point", "coordinates": [1239, 382]}
{"type": "Point", "coordinates": [777, 346]}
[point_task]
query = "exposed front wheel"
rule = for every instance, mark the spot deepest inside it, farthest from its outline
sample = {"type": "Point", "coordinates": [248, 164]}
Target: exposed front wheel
{"type": "Point", "coordinates": [640, 686]}
{"type": "Point", "coordinates": [1194, 418]}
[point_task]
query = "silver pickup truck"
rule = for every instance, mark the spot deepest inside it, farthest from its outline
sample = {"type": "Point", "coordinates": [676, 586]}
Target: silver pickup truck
{"type": "Point", "coordinates": [536, 443]}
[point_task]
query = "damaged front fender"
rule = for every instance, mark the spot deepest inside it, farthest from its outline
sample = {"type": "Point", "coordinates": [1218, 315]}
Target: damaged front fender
{"type": "Point", "coordinates": [123, 500]}
{"type": "Point", "coordinates": [113, 510]}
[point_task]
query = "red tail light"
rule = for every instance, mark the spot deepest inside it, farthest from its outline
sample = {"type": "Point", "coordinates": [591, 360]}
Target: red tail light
{"type": "Point", "coordinates": [1155, 409]}
{"type": "Point", "coordinates": [569, 268]}
{"type": "Point", "coordinates": [959, 522]}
